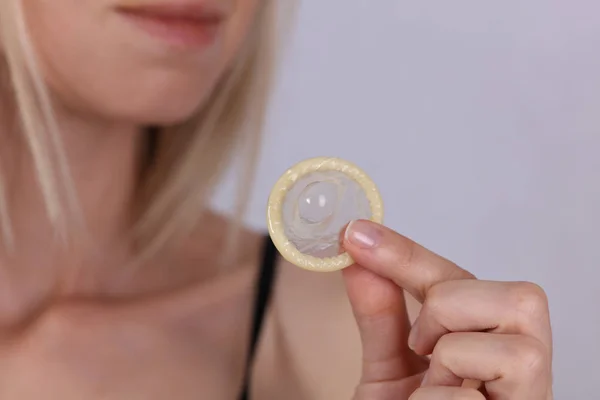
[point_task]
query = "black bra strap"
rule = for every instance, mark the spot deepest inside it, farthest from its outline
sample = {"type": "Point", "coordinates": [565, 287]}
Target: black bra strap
{"type": "Point", "coordinates": [264, 289]}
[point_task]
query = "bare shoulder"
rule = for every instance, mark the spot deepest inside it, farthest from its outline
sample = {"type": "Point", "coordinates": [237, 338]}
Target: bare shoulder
{"type": "Point", "coordinates": [312, 338]}
{"type": "Point", "coordinates": [210, 239]}
{"type": "Point", "coordinates": [191, 273]}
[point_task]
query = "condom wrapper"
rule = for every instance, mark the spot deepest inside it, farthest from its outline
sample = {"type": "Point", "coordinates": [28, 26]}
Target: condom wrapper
{"type": "Point", "coordinates": [310, 205]}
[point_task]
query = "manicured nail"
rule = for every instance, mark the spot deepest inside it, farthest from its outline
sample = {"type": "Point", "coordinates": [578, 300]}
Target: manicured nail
{"type": "Point", "coordinates": [363, 234]}
{"type": "Point", "coordinates": [413, 335]}
{"type": "Point", "coordinates": [425, 379]}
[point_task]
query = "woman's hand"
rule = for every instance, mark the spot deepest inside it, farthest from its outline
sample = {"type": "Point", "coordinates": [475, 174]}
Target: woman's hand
{"type": "Point", "coordinates": [487, 340]}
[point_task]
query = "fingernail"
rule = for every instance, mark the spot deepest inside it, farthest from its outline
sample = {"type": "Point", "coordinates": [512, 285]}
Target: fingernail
{"type": "Point", "coordinates": [413, 335]}
{"type": "Point", "coordinates": [363, 234]}
{"type": "Point", "coordinates": [425, 379]}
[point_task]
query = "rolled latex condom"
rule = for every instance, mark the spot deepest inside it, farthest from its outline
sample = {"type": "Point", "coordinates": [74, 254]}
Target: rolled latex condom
{"type": "Point", "coordinates": [310, 205]}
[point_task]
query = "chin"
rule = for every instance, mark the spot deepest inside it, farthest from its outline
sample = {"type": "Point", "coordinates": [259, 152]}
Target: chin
{"type": "Point", "coordinates": [166, 101]}
{"type": "Point", "coordinates": [158, 112]}
{"type": "Point", "coordinates": [167, 115]}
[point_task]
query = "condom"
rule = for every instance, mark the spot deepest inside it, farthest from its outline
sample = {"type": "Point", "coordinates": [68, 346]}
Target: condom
{"type": "Point", "coordinates": [310, 205]}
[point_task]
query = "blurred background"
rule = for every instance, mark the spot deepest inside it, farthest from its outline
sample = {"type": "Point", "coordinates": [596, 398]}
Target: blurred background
{"type": "Point", "coordinates": [479, 121]}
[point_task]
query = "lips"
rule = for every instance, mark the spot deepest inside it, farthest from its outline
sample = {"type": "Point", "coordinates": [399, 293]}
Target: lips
{"type": "Point", "coordinates": [190, 11]}
{"type": "Point", "coordinates": [182, 25]}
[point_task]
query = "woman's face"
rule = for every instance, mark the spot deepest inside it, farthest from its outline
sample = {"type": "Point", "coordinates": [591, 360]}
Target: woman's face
{"type": "Point", "coordinates": [140, 61]}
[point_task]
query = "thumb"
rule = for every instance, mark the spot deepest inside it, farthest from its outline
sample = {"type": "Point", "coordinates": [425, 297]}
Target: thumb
{"type": "Point", "coordinates": [380, 311]}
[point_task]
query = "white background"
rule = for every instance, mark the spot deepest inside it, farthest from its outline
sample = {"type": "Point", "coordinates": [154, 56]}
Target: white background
{"type": "Point", "coordinates": [480, 122]}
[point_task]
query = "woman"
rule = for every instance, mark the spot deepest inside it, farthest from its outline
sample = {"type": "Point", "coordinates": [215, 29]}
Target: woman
{"type": "Point", "coordinates": [116, 120]}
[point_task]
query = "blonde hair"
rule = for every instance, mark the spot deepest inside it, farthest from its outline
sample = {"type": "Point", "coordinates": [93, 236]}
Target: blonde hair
{"type": "Point", "coordinates": [189, 158]}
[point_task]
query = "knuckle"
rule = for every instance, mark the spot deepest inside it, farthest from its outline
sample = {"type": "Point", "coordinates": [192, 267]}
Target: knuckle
{"type": "Point", "coordinates": [444, 346]}
{"type": "Point", "coordinates": [530, 299]}
{"type": "Point", "coordinates": [532, 357]}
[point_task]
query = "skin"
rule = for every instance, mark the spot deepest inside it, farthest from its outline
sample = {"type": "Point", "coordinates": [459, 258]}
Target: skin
{"type": "Point", "coordinates": [494, 333]}
{"type": "Point", "coordinates": [71, 326]}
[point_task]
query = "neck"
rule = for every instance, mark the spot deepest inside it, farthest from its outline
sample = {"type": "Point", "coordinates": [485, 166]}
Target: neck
{"type": "Point", "coordinates": [103, 161]}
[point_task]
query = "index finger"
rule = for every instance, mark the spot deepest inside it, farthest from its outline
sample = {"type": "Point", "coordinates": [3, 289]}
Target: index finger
{"type": "Point", "coordinates": [398, 258]}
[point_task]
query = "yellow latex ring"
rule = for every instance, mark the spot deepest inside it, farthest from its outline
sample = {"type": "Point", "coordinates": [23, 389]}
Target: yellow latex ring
{"type": "Point", "coordinates": [275, 210]}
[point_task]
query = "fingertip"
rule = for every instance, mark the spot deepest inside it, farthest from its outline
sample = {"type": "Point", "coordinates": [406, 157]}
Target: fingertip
{"type": "Point", "coordinates": [414, 336]}
{"type": "Point", "coordinates": [417, 340]}
{"type": "Point", "coordinates": [342, 237]}
{"type": "Point", "coordinates": [363, 234]}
